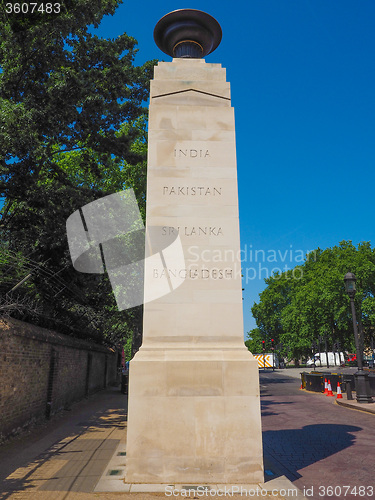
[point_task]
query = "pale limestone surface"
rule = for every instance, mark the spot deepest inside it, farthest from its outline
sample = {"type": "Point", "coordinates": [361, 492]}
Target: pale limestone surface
{"type": "Point", "coordinates": [194, 412]}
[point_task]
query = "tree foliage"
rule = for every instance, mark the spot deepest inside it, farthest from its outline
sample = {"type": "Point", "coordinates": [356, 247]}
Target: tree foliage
{"type": "Point", "coordinates": [254, 341]}
{"type": "Point", "coordinates": [73, 129]}
{"type": "Point", "coordinates": [297, 308]}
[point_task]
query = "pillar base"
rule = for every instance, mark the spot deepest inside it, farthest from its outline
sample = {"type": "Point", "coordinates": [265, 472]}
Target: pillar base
{"type": "Point", "coordinates": [194, 417]}
{"type": "Point", "coordinates": [362, 385]}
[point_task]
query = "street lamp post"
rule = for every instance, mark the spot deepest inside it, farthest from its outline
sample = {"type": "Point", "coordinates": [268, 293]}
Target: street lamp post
{"type": "Point", "coordinates": [334, 350]}
{"type": "Point", "coordinates": [264, 354]}
{"type": "Point", "coordinates": [326, 348]}
{"type": "Point", "coordinates": [361, 377]}
{"type": "Point", "coordinates": [279, 348]}
{"type": "Point", "coordinates": [320, 354]}
{"type": "Point", "coordinates": [314, 347]}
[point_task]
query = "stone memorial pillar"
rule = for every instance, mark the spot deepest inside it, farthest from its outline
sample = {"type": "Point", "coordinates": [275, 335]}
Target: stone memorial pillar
{"type": "Point", "coordinates": [194, 412]}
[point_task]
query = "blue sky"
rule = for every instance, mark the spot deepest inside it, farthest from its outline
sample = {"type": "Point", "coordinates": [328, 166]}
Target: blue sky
{"type": "Point", "coordinates": [303, 80]}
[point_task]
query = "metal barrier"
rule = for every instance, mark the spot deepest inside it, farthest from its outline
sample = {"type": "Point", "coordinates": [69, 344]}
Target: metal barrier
{"type": "Point", "coordinates": [125, 382]}
{"type": "Point", "coordinates": [314, 381]}
{"type": "Point", "coordinates": [371, 378]}
{"type": "Point", "coordinates": [348, 385]}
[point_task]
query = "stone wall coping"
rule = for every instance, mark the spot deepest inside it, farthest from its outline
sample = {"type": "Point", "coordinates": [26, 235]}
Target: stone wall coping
{"type": "Point", "coordinates": [28, 330]}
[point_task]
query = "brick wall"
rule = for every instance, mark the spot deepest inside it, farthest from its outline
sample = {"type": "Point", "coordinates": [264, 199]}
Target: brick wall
{"type": "Point", "coordinates": [42, 372]}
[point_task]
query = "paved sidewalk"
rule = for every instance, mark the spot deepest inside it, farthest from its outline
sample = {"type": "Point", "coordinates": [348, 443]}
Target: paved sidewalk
{"type": "Point", "coordinates": [80, 455]}
{"type": "Point", "coordinates": [365, 407]}
{"type": "Point", "coordinates": [65, 458]}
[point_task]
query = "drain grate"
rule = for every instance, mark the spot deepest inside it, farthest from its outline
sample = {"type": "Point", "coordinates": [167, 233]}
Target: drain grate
{"type": "Point", "coordinates": [115, 472]}
{"type": "Point", "coordinates": [269, 472]}
{"type": "Point", "coordinates": [194, 487]}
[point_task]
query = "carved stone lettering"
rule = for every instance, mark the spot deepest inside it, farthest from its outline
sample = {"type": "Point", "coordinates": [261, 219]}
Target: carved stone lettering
{"type": "Point", "coordinates": [191, 153]}
{"type": "Point", "coordinates": [192, 191]}
{"type": "Point", "coordinates": [192, 230]}
{"type": "Point", "coordinates": [194, 274]}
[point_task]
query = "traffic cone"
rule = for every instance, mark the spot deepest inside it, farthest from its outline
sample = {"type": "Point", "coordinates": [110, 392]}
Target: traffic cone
{"type": "Point", "coordinates": [329, 393]}
{"type": "Point", "coordinates": [325, 387]}
{"type": "Point", "coordinates": [339, 394]}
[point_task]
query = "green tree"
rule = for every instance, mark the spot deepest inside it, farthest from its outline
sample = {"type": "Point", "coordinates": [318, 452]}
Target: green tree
{"type": "Point", "coordinates": [73, 129]}
{"type": "Point", "coordinates": [254, 341]}
{"type": "Point", "coordinates": [298, 311]}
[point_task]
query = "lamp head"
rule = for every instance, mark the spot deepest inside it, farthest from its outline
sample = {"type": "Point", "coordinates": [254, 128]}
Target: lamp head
{"type": "Point", "coordinates": [350, 281]}
{"type": "Point", "coordinates": [187, 33]}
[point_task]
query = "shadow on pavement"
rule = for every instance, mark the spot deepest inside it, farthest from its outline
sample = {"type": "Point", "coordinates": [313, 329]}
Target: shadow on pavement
{"type": "Point", "coordinates": [264, 379]}
{"type": "Point", "coordinates": [293, 449]}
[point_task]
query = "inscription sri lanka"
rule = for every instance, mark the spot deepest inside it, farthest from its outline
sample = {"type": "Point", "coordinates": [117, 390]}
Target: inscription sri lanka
{"type": "Point", "coordinates": [191, 153]}
{"type": "Point", "coordinates": [194, 274]}
{"type": "Point", "coordinates": [192, 231]}
{"type": "Point", "coordinates": [191, 191]}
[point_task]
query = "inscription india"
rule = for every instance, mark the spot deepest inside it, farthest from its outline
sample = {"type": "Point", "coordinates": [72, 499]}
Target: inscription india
{"type": "Point", "coordinates": [191, 153]}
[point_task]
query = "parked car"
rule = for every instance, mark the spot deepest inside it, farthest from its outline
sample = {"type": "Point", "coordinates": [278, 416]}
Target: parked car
{"type": "Point", "coordinates": [352, 360]}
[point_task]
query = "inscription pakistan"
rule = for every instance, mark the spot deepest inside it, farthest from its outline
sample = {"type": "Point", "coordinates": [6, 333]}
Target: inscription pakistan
{"type": "Point", "coordinates": [191, 191]}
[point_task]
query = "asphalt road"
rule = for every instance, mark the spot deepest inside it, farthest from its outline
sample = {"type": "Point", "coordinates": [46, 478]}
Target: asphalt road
{"type": "Point", "coordinates": [328, 451]}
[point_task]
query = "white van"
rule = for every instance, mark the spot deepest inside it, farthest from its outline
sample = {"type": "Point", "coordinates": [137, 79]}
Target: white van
{"type": "Point", "coordinates": [334, 359]}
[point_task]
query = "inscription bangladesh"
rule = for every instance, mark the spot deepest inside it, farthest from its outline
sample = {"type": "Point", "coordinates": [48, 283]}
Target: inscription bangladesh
{"type": "Point", "coordinates": [191, 191]}
{"type": "Point", "coordinates": [195, 274]}
{"type": "Point", "coordinates": [192, 231]}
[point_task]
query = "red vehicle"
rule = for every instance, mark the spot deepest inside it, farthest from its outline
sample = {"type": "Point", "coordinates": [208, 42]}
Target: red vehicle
{"type": "Point", "coordinates": [352, 357]}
